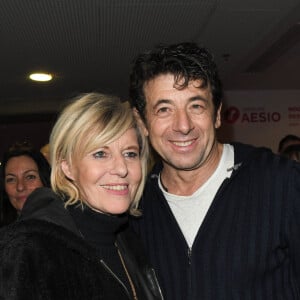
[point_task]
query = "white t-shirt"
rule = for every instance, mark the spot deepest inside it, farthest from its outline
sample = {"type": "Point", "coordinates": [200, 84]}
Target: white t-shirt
{"type": "Point", "coordinates": [189, 211]}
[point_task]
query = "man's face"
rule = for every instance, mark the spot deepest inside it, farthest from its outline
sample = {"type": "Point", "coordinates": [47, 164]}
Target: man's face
{"type": "Point", "coordinates": [180, 123]}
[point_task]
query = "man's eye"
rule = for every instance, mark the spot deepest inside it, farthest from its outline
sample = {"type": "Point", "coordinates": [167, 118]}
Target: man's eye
{"type": "Point", "coordinates": [99, 154]}
{"type": "Point", "coordinates": [198, 108]}
{"type": "Point", "coordinates": [163, 110]}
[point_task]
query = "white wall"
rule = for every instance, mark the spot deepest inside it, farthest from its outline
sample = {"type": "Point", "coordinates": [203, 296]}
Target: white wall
{"type": "Point", "coordinates": [260, 118]}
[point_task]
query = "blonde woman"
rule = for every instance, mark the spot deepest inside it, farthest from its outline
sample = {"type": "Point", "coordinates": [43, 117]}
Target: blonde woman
{"type": "Point", "coordinates": [75, 244]}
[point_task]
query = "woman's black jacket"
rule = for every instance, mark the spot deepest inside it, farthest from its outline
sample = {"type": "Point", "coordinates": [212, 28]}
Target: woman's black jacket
{"type": "Point", "coordinates": [43, 256]}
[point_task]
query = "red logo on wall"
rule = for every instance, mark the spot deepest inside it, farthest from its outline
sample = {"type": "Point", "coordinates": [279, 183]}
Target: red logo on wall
{"type": "Point", "coordinates": [250, 115]}
{"type": "Point", "coordinates": [231, 114]}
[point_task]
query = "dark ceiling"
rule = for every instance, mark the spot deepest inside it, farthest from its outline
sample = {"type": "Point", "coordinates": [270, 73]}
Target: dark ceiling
{"type": "Point", "coordinates": [88, 44]}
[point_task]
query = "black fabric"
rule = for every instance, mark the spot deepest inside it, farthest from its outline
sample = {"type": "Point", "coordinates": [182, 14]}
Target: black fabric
{"type": "Point", "coordinates": [39, 260]}
{"type": "Point", "coordinates": [100, 231]}
{"type": "Point", "coordinates": [96, 228]}
{"type": "Point", "coordinates": [44, 255]}
{"type": "Point", "coordinates": [44, 205]}
{"type": "Point", "coordinates": [248, 246]}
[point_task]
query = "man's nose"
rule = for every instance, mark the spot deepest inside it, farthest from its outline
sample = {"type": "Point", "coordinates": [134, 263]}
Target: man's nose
{"type": "Point", "coordinates": [182, 122]}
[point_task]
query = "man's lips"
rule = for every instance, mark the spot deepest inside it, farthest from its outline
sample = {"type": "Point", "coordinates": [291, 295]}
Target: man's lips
{"type": "Point", "coordinates": [182, 144]}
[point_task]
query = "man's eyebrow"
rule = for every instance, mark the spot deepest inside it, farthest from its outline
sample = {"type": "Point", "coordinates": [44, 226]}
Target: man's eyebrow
{"type": "Point", "coordinates": [168, 101]}
{"type": "Point", "coordinates": [198, 97]}
{"type": "Point", "coordinates": [162, 101]}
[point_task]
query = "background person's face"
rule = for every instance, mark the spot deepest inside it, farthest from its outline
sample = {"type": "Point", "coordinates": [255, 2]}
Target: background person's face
{"type": "Point", "coordinates": [21, 178]}
{"type": "Point", "coordinates": [108, 177]}
{"type": "Point", "coordinates": [180, 123]}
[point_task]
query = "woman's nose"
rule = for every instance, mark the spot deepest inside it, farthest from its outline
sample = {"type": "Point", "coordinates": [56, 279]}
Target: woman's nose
{"type": "Point", "coordinates": [20, 185]}
{"type": "Point", "coordinates": [119, 167]}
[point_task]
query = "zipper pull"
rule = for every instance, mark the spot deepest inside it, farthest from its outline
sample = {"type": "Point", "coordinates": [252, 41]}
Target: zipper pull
{"type": "Point", "coordinates": [189, 253]}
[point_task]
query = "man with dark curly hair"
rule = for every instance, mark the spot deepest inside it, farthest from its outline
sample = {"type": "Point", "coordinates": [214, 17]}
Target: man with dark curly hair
{"type": "Point", "coordinates": [220, 221]}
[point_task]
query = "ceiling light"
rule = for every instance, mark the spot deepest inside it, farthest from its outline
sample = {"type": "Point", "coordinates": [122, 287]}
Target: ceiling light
{"type": "Point", "coordinates": [40, 77]}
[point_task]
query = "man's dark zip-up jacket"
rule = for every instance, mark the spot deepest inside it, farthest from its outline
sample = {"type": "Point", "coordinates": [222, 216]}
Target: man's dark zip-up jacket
{"type": "Point", "coordinates": [248, 246]}
{"type": "Point", "coordinates": [34, 249]}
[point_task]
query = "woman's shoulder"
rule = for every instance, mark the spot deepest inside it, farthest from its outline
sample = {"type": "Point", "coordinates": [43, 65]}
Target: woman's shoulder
{"type": "Point", "coordinates": [36, 235]}
{"type": "Point", "coordinates": [26, 233]}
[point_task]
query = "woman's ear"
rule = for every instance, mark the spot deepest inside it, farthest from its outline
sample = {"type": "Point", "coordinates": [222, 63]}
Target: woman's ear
{"type": "Point", "coordinates": [66, 168]}
{"type": "Point", "coordinates": [140, 122]}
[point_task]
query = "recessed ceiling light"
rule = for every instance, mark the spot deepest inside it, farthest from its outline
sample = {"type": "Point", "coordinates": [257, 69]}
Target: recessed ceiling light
{"type": "Point", "coordinates": [40, 77]}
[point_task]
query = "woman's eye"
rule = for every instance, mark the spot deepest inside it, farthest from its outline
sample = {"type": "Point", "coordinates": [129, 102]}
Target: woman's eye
{"type": "Point", "coordinates": [10, 180]}
{"type": "Point", "coordinates": [31, 177]}
{"type": "Point", "coordinates": [99, 154]}
{"type": "Point", "coordinates": [131, 154]}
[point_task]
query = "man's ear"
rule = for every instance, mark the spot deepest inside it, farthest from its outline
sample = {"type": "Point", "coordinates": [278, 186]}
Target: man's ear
{"type": "Point", "coordinates": [218, 117]}
{"type": "Point", "coordinates": [140, 122]}
{"type": "Point", "coordinates": [67, 169]}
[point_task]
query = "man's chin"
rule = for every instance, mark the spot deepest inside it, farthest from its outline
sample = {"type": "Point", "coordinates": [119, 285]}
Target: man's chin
{"type": "Point", "coordinates": [182, 166]}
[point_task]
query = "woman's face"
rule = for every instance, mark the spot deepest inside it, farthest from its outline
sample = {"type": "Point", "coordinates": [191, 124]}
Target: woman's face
{"type": "Point", "coordinates": [21, 178]}
{"type": "Point", "coordinates": [108, 177]}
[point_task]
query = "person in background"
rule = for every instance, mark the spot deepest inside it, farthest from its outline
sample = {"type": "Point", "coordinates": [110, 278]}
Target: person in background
{"type": "Point", "coordinates": [292, 152]}
{"type": "Point", "coordinates": [73, 242]}
{"type": "Point", "coordinates": [23, 169]}
{"type": "Point", "coordinates": [45, 151]}
{"type": "Point", "coordinates": [286, 141]}
{"type": "Point", "coordinates": [220, 221]}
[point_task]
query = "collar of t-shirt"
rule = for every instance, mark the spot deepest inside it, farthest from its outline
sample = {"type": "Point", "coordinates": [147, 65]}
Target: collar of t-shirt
{"type": "Point", "coordinates": [190, 211]}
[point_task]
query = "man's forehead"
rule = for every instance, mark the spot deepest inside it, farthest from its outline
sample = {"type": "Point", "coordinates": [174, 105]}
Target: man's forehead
{"type": "Point", "coordinates": [177, 80]}
{"type": "Point", "coordinates": [168, 82]}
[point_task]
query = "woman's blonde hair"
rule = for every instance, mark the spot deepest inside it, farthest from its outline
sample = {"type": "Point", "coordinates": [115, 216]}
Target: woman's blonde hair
{"type": "Point", "coordinates": [90, 121]}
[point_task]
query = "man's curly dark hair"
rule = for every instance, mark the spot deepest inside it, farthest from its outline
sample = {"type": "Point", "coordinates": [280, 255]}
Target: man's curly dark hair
{"type": "Point", "coordinates": [186, 61]}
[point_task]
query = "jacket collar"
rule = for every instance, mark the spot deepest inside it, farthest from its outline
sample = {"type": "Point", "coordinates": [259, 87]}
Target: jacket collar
{"type": "Point", "coordinates": [242, 154]}
{"type": "Point", "coordinates": [44, 204]}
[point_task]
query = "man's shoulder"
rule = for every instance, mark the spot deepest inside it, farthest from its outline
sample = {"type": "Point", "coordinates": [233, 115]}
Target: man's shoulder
{"type": "Point", "coordinates": [264, 160]}
{"type": "Point", "coordinates": [243, 152]}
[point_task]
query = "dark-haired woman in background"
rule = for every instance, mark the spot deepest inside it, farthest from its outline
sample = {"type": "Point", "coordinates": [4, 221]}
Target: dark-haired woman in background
{"type": "Point", "coordinates": [23, 169]}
